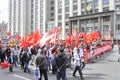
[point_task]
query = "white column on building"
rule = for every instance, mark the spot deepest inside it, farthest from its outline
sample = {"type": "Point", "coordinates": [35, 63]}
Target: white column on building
{"type": "Point", "coordinates": [56, 12]}
{"type": "Point", "coordinates": [63, 19]}
{"type": "Point", "coordinates": [12, 20]}
{"type": "Point", "coordinates": [79, 7]}
{"type": "Point", "coordinates": [100, 6]}
{"type": "Point", "coordinates": [71, 8]}
{"type": "Point", "coordinates": [17, 9]}
{"type": "Point", "coordinates": [23, 26]}
{"type": "Point", "coordinates": [112, 4]}
{"type": "Point", "coordinates": [34, 16]}
{"type": "Point", "coordinates": [39, 15]}
{"type": "Point", "coordinates": [44, 15]}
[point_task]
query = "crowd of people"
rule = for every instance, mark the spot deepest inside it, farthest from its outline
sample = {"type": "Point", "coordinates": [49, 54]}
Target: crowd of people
{"type": "Point", "coordinates": [54, 57]}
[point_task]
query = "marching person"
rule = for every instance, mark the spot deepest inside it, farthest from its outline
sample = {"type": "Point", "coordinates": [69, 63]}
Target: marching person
{"type": "Point", "coordinates": [68, 53]}
{"type": "Point", "coordinates": [41, 63]}
{"type": "Point", "coordinates": [60, 64]}
{"type": "Point", "coordinates": [77, 64]}
{"type": "Point", "coordinates": [2, 55]}
{"type": "Point", "coordinates": [11, 61]}
{"type": "Point", "coordinates": [26, 59]}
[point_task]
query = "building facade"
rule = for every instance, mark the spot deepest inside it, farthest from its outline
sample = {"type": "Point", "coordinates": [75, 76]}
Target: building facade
{"type": "Point", "coordinates": [101, 15]}
{"type": "Point", "coordinates": [26, 16]}
{"type": "Point", "coordinates": [3, 30]}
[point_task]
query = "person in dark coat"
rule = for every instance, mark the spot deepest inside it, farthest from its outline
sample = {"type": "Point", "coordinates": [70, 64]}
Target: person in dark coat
{"type": "Point", "coordinates": [41, 63]}
{"type": "Point", "coordinates": [26, 59]}
{"type": "Point", "coordinates": [2, 55]}
{"type": "Point", "coordinates": [8, 52]}
{"type": "Point", "coordinates": [60, 64]}
{"type": "Point", "coordinates": [11, 61]}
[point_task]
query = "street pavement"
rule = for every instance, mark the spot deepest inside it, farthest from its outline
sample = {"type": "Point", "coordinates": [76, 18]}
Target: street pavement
{"type": "Point", "coordinates": [105, 67]}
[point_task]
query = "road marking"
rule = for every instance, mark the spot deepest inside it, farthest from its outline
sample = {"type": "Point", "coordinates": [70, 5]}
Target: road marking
{"type": "Point", "coordinates": [21, 77]}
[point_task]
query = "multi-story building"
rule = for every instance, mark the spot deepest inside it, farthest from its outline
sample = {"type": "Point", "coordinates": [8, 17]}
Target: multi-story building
{"type": "Point", "coordinates": [3, 30]}
{"type": "Point", "coordinates": [26, 16]}
{"type": "Point", "coordinates": [102, 15]}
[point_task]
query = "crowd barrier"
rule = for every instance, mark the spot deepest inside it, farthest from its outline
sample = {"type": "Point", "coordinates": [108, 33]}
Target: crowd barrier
{"type": "Point", "coordinates": [97, 52]}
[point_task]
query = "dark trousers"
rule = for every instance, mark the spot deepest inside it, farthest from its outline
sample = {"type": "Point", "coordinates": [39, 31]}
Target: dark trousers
{"type": "Point", "coordinates": [78, 68]}
{"type": "Point", "coordinates": [26, 69]}
{"type": "Point", "coordinates": [53, 69]}
{"type": "Point", "coordinates": [83, 65]}
{"type": "Point", "coordinates": [43, 72]}
{"type": "Point", "coordinates": [11, 68]}
{"type": "Point", "coordinates": [61, 74]}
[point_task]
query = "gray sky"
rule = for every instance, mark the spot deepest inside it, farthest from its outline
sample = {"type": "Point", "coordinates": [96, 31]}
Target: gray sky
{"type": "Point", "coordinates": [4, 10]}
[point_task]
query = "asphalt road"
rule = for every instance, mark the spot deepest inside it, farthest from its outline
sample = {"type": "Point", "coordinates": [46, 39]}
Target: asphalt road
{"type": "Point", "coordinates": [105, 67]}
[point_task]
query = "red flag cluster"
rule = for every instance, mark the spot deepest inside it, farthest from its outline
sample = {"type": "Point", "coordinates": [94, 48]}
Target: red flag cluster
{"type": "Point", "coordinates": [31, 39]}
{"type": "Point", "coordinates": [88, 38]}
{"type": "Point", "coordinates": [50, 36]}
{"type": "Point", "coordinates": [36, 38]}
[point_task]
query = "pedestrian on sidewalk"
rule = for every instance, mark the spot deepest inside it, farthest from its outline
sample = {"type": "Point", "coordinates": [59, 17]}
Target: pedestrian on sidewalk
{"type": "Point", "coordinates": [41, 63]}
{"type": "Point", "coordinates": [77, 64]}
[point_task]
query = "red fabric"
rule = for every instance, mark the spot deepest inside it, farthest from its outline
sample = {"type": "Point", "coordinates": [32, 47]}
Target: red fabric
{"type": "Point", "coordinates": [5, 65]}
{"type": "Point", "coordinates": [8, 33]}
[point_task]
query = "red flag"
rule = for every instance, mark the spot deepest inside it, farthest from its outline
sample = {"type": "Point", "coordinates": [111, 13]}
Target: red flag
{"type": "Point", "coordinates": [8, 33]}
{"type": "Point", "coordinates": [74, 32]}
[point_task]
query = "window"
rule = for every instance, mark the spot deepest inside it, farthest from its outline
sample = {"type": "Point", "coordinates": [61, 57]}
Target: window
{"type": "Point", "coordinates": [74, 22]}
{"type": "Point", "coordinates": [105, 27]}
{"type": "Point", "coordinates": [105, 9]}
{"type": "Point", "coordinates": [59, 17]}
{"type": "Point", "coordinates": [95, 20]}
{"type": "Point", "coordinates": [75, 1]}
{"type": "Point", "coordinates": [66, 2]}
{"type": "Point", "coordinates": [66, 30]}
{"type": "Point", "coordinates": [118, 17]}
{"type": "Point", "coordinates": [52, 14]}
{"type": "Point", "coordinates": [118, 27]}
{"type": "Point", "coordinates": [89, 12]}
{"type": "Point", "coordinates": [117, 0]}
{"type": "Point", "coordinates": [90, 3]}
{"type": "Point", "coordinates": [89, 29]}
{"type": "Point", "coordinates": [52, 19]}
{"type": "Point", "coordinates": [59, 24]}
{"type": "Point", "coordinates": [59, 10]}
{"type": "Point", "coordinates": [118, 7]}
{"type": "Point", "coordinates": [106, 18]}
{"type": "Point", "coordinates": [75, 7]}
{"type": "Point", "coordinates": [96, 10]}
{"type": "Point", "coordinates": [105, 1]}
{"type": "Point", "coordinates": [66, 16]}
{"type": "Point", "coordinates": [75, 14]}
{"type": "Point", "coordinates": [96, 3]}
{"type": "Point", "coordinates": [66, 9]}
{"type": "Point", "coordinates": [52, 8]}
{"type": "Point", "coordinates": [83, 6]}
{"type": "Point", "coordinates": [52, 2]}
{"type": "Point", "coordinates": [32, 16]}
{"type": "Point", "coordinates": [83, 12]}
{"type": "Point", "coordinates": [59, 3]}
{"type": "Point", "coordinates": [66, 23]}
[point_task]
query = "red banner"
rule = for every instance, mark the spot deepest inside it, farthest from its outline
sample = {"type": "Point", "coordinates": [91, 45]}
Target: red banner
{"type": "Point", "coordinates": [97, 52]}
